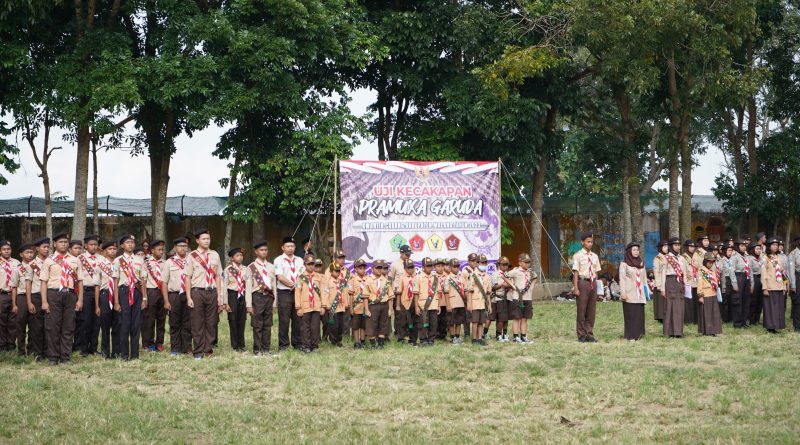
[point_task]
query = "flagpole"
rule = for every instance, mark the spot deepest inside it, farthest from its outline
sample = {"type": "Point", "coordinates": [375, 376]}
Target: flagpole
{"type": "Point", "coordinates": [335, 196]}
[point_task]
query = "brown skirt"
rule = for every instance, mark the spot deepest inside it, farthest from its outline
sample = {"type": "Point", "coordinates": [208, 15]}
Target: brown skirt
{"type": "Point", "coordinates": [710, 320]}
{"type": "Point", "coordinates": [775, 310]}
{"type": "Point", "coordinates": [633, 314]}
{"type": "Point", "coordinates": [659, 305]}
{"type": "Point", "coordinates": [674, 307]}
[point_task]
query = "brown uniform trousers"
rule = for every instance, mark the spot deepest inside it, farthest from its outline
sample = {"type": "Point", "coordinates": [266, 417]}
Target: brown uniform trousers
{"type": "Point", "coordinates": [237, 319]}
{"type": "Point", "coordinates": [154, 319]}
{"type": "Point", "coordinates": [310, 326]}
{"type": "Point", "coordinates": [180, 324]}
{"type": "Point", "coordinates": [8, 323]}
{"type": "Point", "coordinates": [587, 304]}
{"type": "Point", "coordinates": [204, 320]}
{"type": "Point", "coordinates": [261, 321]}
{"type": "Point", "coordinates": [60, 324]}
{"type": "Point", "coordinates": [33, 323]}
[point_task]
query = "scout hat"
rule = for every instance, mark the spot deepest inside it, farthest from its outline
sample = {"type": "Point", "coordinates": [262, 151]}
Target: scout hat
{"type": "Point", "coordinates": [339, 254]}
{"type": "Point", "coordinates": [335, 267]}
{"type": "Point", "coordinates": [689, 243]}
{"type": "Point", "coordinates": [5, 243]}
{"type": "Point", "coordinates": [524, 258]}
{"type": "Point", "coordinates": [199, 232]}
{"type": "Point", "coordinates": [427, 262]}
{"type": "Point", "coordinates": [260, 244]}
{"type": "Point", "coordinates": [674, 240]}
{"type": "Point", "coordinates": [709, 258]}
{"type": "Point", "coordinates": [405, 249]}
{"type": "Point", "coordinates": [287, 239]}
{"type": "Point", "coordinates": [379, 264]}
{"type": "Point", "coordinates": [180, 240]}
{"type": "Point", "coordinates": [318, 262]}
{"type": "Point", "coordinates": [472, 257]}
{"type": "Point", "coordinates": [126, 237]}
{"type": "Point", "coordinates": [454, 262]}
{"type": "Point", "coordinates": [773, 240]}
{"type": "Point", "coordinates": [359, 263]}
{"type": "Point", "coordinates": [309, 259]}
{"type": "Point", "coordinates": [504, 261]}
{"type": "Point", "coordinates": [108, 244]}
{"type": "Point", "coordinates": [39, 241]}
{"type": "Point", "coordinates": [25, 247]}
{"type": "Point", "coordinates": [482, 258]}
{"type": "Point", "coordinates": [701, 238]}
{"type": "Point", "coordinates": [663, 242]}
{"type": "Point", "coordinates": [88, 238]}
{"type": "Point", "coordinates": [408, 264]}
{"type": "Point", "coordinates": [439, 261]}
{"type": "Point", "coordinates": [60, 236]}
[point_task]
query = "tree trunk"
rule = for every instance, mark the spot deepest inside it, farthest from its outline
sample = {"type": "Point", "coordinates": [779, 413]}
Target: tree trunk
{"type": "Point", "coordinates": [674, 220]}
{"type": "Point", "coordinates": [258, 228]}
{"type": "Point", "coordinates": [95, 203]}
{"type": "Point", "coordinates": [627, 229]}
{"type": "Point", "coordinates": [537, 193]}
{"type": "Point", "coordinates": [637, 219]}
{"type": "Point", "coordinates": [752, 122]}
{"type": "Point", "coordinates": [159, 176]}
{"type": "Point", "coordinates": [81, 183]}
{"type": "Point", "coordinates": [231, 194]}
{"type": "Point", "coordinates": [788, 237]}
{"type": "Point", "coordinates": [48, 204]}
{"type": "Point", "coordinates": [686, 180]}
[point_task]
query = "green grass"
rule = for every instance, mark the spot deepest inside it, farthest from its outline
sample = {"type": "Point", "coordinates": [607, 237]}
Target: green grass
{"type": "Point", "coordinates": [737, 388]}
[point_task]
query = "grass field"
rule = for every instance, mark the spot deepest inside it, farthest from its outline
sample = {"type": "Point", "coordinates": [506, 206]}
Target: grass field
{"type": "Point", "coordinates": [741, 387]}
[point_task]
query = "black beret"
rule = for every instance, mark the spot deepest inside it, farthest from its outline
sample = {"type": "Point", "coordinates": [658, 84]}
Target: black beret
{"type": "Point", "coordinates": [199, 232]}
{"type": "Point", "coordinates": [76, 242]}
{"type": "Point", "coordinates": [60, 236]}
{"type": "Point", "coordinates": [663, 242]}
{"type": "Point", "coordinates": [773, 240]}
{"type": "Point", "coordinates": [39, 241]}
{"type": "Point", "coordinates": [752, 245]}
{"type": "Point", "coordinates": [585, 235]}
{"type": "Point", "coordinates": [180, 240]}
{"type": "Point", "coordinates": [92, 237]}
{"type": "Point", "coordinates": [234, 251]}
{"type": "Point", "coordinates": [156, 243]}
{"type": "Point", "coordinates": [108, 244]}
{"type": "Point", "coordinates": [126, 237]}
{"type": "Point", "coordinates": [287, 239]}
{"type": "Point", "coordinates": [137, 250]}
{"type": "Point", "coordinates": [25, 247]}
{"type": "Point", "coordinates": [5, 243]}
{"type": "Point", "coordinates": [674, 240]}
{"type": "Point", "coordinates": [701, 238]}
{"type": "Point", "coordinates": [260, 244]}
{"type": "Point", "coordinates": [689, 243]}
{"type": "Point", "coordinates": [405, 249]}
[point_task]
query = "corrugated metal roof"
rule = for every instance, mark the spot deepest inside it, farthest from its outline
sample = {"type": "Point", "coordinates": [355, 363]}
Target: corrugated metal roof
{"type": "Point", "coordinates": [110, 205]}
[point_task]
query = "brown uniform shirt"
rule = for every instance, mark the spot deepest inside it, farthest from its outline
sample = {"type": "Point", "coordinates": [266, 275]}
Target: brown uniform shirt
{"type": "Point", "coordinates": [35, 271]}
{"type": "Point", "coordinates": [51, 272]}
{"type": "Point", "coordinates": [770, 266]}
{"type": "Point", "coordinates": [230, 281]}
{"type": "Point", "coordinates": [396, 270]}
{"type": "Point", "coordinates": [454, 286]}
{"type": "Point", "coordinates": [424, 286]}
{"type": "Point", "coordinates": [383, 290]}
{"type": "Point", "coordinates": [266, 272]}
{"type": "Point", "coordinates": [106, 270]}
{"type": "Point", "coordinates": [404, 285]}
{"type": "Point", "coordinates": [521, 279]}
{"type": "Point", "coordinates": [172, 273]}
{"type": "Point", "coordinates": [9, 275]}
{"type": "Point", "coordinates": [25, 277]}
{"type": "Point", "coordinates": [125, 266]}
{"type": "Point", "coordinates": [197, 272]}
{"type": "Point", "coordinates": [477, 301]}
{"type": "Point", "coordinates": [691, 277]}
{"type": "Point", "coordinates": [587, 264]}
{"type": "Point", "coordinates": [631, 286]}
{"type": "Point", "coordinates": [362, 288]}
{"type": "Point", "coordinates": [308, 295]}
{"type": "Point", "coordinates": [704, 288]}
{"type": "Point", "coordinates": [90, 276]}
{"type": "Point", "coordinates": [154, 272]}
{"type": "Point", "coordinates": [335, 290]}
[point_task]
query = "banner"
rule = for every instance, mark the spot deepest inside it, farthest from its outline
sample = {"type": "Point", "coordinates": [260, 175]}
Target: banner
{"type": "Point", "coordinates": [439, 209]}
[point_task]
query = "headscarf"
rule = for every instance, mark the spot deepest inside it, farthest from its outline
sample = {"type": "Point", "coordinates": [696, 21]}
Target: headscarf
{"type": "Point", "coordinates": [632, 261]}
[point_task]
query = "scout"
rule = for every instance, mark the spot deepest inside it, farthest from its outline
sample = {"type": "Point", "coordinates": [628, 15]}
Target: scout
{"type": "Point", "coordinates": [727, 281]}
{"type": "Point", "coordinates": [154, 315]}
{"type": "Point", "coordinates": [500, 292]}
{"type": "Point", "coordinates": [456, 302]}
{"type": "Point", "coordinates": [129, 276]}
{"type": "Point", "coordinates": [318, 266]}
{"type": "Point", "coordinates": [442, 268]}
{"type": "Point", "coordinates": [260, 297]}
{"type": "Point", "coordinates": [632, 279]}
{"type": "Point", "coordinates": [9, 282]}
{"type": "Point", "coordinates": [709, 321]}
{"type": "Point", "coordinates": [361, 286]}
{"type": "Point", "coordinates": [88, 327]}
{"type": "Point", "coordinates": [521, 309]}
{"type": "Point", "coordinates": [659, 296]}
{"type": "Point", "coordinates": [692, 307]}
{"type": "Point", "coordinates": [405, 295]}
{"type": "Point", "coordinates": [742, 286]}
{"type": "Point", "coordinates": [585, 266]}
{"type": "Point", "coordinates": [60, 275]}
{"type": "Point", "coordinates": [203, 283]}
{"type": "Point", "coordinates": [173, 292]}
{"type": "Point", "coordinates": [794, 283]}
{"type": "Point", "coordinates": [338, 258]}
{"type": "Point", "coordinates": [774, 272]}
{"type": "Point", "coordinates": [109, 319]}
{"type": "Point", "coordinates": [673, 277]}
{"type": "Point", "coordinates": [479, 303]}
{"type": "Point", "coordinates": [427, 309]}
{"type": "Point", "coordinates": [36, 338]}
{"type": "Point", "coordinates": [755, 252]}
{"type": "Point", "coordinates": [380, 304]}
{"type": "Point", "coordinates": [308, 304]}
{"type": "Point", "coordinates": [236, 278]}
{"type": "Point", "coordinates": [287, 268]}
{"type": "Point", "coordinates": [396, 271]}
{"type": "Point", "coordinates": [23, 300]}
{"type": "Point", "coordinates": [466, 278]}
{"type": "Point", "coordinates": [335, 302]}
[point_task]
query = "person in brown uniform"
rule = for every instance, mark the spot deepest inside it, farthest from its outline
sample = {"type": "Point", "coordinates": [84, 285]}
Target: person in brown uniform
{"type": "Point", "coordinates": [260, 298]}
{"type": "Point", "coordinates": [236, 279]}
{"type": "Point", "coordinates": [456, 300]}
{"type": "Point", "coordinates": [86, 323]}
{"type": "Point", "coordinates": [673, 277]}
{"type": "Point", "coordinates": [405, 295]}
{"type": "Point", "coordinates": [774, 274]}
{"type": "Point", "coordinates": [692, 307]}
{"type": "Point", "coordinates": [35, 318]}
{"type": "Point", "coordinates": [9, 283]}
{"type": "Point", "coordinates": [335, 301]}
{"type": "Point", "coordinates": [521, 306]}
{"type": "Point", "coordinates": [204, 293]}
{"type": "Point", "coordinates": [129, 277]}
{"type": "Point", "coordinates": [61, 277]}
{"type": "Point", "coordinates": [361, 286]}
{"type": "Point", "coordinates": [466, 278]}
{"type": "Point", "coordinates": [427, 308]}
{"type": "Point", "coordinates": [23, 299]}
{"type": "Point", "coordinates": [154, 316]}
{"type": "Point", "coordinates": [585, 266]}
{"type": "Point", "coordinates": [380, 304]}
{"type": "Point", "coordinates": [479, 303]}
{"type": "Point", "coordinates": [396, 271]}
{"type": "Point", "coordinates": [632, 280]}
{"type": "Point", "coordinates": [108, 319]}
{"type": "Point", "coordinates": [174, 293]}
{"type": "Point", "coordinates": [709, 321]}
{"type": "Point", "coordinates": [501, 290]}
{"type": "Point", "coordinates": [308, 304]}
{"type": "Point", "coordinates": [439, 268]}
{"type": "Point", "coordinates": [659, 298]}
{"type": "Point", "coordinates": [339, 258]}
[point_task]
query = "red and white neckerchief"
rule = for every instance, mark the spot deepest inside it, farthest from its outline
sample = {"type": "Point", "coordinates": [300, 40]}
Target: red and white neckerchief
{"type": "Point", "coordinates": [638, 282]}
{"type": "Point", "coordinates": [107, 270]}
{"type": "Point", "coordinates": [128, 265]}
{"type": "Point", "coordinates": [410, 288]}
{"type": "Point", "coordinates": [311, 300]}
{"type": "Point", "coordinates": [66, 271]}
{"type": "Point", "coordinates": [719, 269]}
{"type": "Point", "coordinates": [157, 275]}
{"type": "Point", "coordinates": [180, 263]}
{"type": "Point", "coordinates": [694, 268]}
{"type": "Point", "coordinates": [203, 259]}
{"type": "Point", "coordinates": [712, 278]}
{"type": "Point", "coordinates": [90, 266]}
{"type": "Point", "coordinates": [262, 269]}
{"type": "Point", "coordinates": [747, 266]}
{"type": "Point", "coordinates": [592, 275]}
{"type": "Point", "coordinates": [430, 286]}
{"type": "Point", "coordinates": [292, 269]}
{"type": "Point", "coordinates": [239, 280]}
{"type": "Point", "coordinates": [778, 270]}
{"type": "Point", "coordinates": [673, 261]}
{"type": "Point", "coordinates": [7, 268]}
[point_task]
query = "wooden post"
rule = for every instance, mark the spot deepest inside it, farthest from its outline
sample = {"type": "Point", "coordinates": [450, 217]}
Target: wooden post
{"type": "Point", "coordinates": [335, 199]}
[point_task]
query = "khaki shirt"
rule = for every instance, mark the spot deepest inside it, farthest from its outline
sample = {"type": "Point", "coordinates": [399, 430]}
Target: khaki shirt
{"type": "Point", "coordinates": [289, 269]}
{"type": "Point", "coordinates": [25, 277]}
{"type": "Point", "coordinates": [704, 287]}
{"type": "Point", "coordinates": [466, 278]}
{"type": "Point", "coordinates": [229, 277]}
{"type": "Point", "coordinates": [172, 273]}
{"type": "Point", "coordinates": [264, 270]}
{"type": "Point", "coordinates": [382, 285]}
{"type": "Point", "coordinates": [106, 270]}
{"type": "Point", "coordinates": [404, 287]}
{"type": "Point", "coordinates": [154, 269]}
{"type": "Point", "coordinates": [397, 269]}
{"type": "Point", "coordinates": [425, 289]}
{"type": "Point", "coordinates": [361, 290]}
{"type": "Point", "coordinates": [587, 264]}
{"type": "Point", "coordinates": [197, 272]}
{"type": "Point", "coordinates": [501, 293]}
{"type": "Point", "coordinates": [631, 285]}
{"type": "Point", "coordinates": [51, 272]}
{"type": "Point", "coordinates": [308, 296]}
{"type": "Point", "coordinates": [344, 273]}
{"type": "Point", "coordinates": [35, 272]}
{"type": "Point", "coordinates": [691, 277]}
{"type": "Point", "coordinates": [335, 290]}
{"type": "Point", "coordinates": [9, 275]}
{"type": "Point", "coordinates": [770, 266]}
{"type": "Point", "coordinates": [659, 263]}
{"type": "Point", "coordinates": [90, 276]}
{"type": "Point", "coordinates": [520, 279]}
{"type": "Point", "coordinates": [476, 300]}
{"type": "Point", "coordinates": [125, 266]}
{"type": "Point", "coordinates": [456, 297]}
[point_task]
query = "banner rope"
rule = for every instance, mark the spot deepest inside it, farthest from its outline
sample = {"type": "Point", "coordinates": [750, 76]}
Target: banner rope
{"type": "Point", "coordinates": [305, 211]}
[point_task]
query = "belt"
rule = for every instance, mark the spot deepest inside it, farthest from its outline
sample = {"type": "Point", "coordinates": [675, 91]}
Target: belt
{"type": "Point", "coordinates": [5, 292]}
{"type": "Point", "coordinates": [64, 291]}
{"type": "Point", "coordinates": [209, 288]}
{"type": "Point", "coordinates": [585, 279]}
{"type": "Point", "coordinates": [741, 274]}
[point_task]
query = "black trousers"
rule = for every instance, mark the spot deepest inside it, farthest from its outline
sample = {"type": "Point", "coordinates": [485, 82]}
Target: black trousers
{"type": "Point", "coordinates": [154, 319]}
{"type": "Point", "coordinates": [109, 321]}
{"type": "Point", "coordinates": [60, 324]}
{"type": "Point", "coordinates": [288, 320]}
{"type": "Point", "coordinates": [442, 323]}
{"type": "Point", "coordinates": [740, 301]}
{"type": "Point", "coordinates": [336, 324]}
{"type": "Point", "coordinates": [180, 324]}
{"type": "Point", "coordinates": [725, 306]}
{"type": "Point", "coordinates": [796, 304]}
{"type": "Point", "coordinates": [130, 323]}
{"type": "Point", "coordinates": [261, 320]}
{"type": "Point", "coordinates": [756, 301]}
{"type": "Point", "coordinates": [89, 323]}
{"type": "Point", "coordinates": [8, 323]}
{"type": "Point", "coordinates": [237, 319]}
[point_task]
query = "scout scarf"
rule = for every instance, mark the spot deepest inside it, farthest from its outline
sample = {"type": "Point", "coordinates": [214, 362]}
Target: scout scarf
{"type": "Point", "coordinates": [431, 286]}
{"type": "Point", "coordinates": [128, 267]}
{"type": "Point", "coordinates": [747, 266]}
{"type": "Point", "coordinates": [459, 288]}
{"type": "Point", "coordinates": [673, 261]}
{"type": "Point", "coordinates": [528, 282]}
{"type": "Point", "coordinates": [8, 269]}
{"type": "Point", "coordinates": [691, 263]}
{"type": "Point", "coordinates": [340, 285]}
{"type": "Point", "coordinates": [312, 287]}
{"type": "Point", "coordinates": [66, 271]}
{"type": "Point", "coordinates": [107, 271]}
{"type": "Point", "coordinates": [639, 282]}
{"type": "Point", "coordinates": [180, 263]}
{"type": "Point", "coordinates": [35, 266]}
{"type": "Point", "coordinates": [261, 276]}
{"type": "Point", "coordinates": [778, 269]}
{"type": "Point", "coordinates": [292, 269]}
{"type": "Point", "coordinates": [156, 276]}
{"type": "Point", "coordinates": [203, 260]}
{"type": "Point", "coordinates": [381, 294]}
{"type": "Point", "coordinates": [483, 292]}
{"type": "Point", "coordinates": [239, 280]}
{"type": "Point", "coordinates": [89, 267]}
{"type": "Point", "coordinates": [409, 318]}
{"type": "Point", "coordinates": [592, 275]}
{"type": "Point", "coordinates": [711, 278]}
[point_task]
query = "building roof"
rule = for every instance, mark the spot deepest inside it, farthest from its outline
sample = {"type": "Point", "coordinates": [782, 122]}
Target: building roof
{"type": "Point", "coordinates": [109, 205]}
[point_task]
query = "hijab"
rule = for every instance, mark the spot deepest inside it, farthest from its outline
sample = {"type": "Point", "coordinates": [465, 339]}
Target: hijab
{"type": "Point", "coordinates": [631, 260]}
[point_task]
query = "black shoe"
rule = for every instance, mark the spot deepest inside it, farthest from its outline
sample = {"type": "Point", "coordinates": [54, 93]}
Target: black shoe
{"type": "Point", "coordinates": [591, 339]}
{"type": "Point", "coordinates": [581, 339]}
{"type": "Point", "coordinates": [307, 351]}
{"type": "Point", "coordinates": [53, 362]}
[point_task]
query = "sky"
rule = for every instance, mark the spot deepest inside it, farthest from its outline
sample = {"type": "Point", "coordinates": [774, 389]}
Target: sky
{"type": "Point", "coordinates": [122, 176]}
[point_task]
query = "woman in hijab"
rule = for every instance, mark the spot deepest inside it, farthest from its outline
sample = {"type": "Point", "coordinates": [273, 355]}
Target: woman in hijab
{"type": "Point", "coordinates": [674, 276]}
{"type": "Point", "coordinates": [632, 282]}
{"type": "Point", "coordinates": [659, 295]}
{"type": "Point", "coordinates": [773, 282]}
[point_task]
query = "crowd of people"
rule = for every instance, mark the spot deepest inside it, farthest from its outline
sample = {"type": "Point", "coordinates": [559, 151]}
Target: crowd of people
{"type": "Point", "coordinates": [110, 297]}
